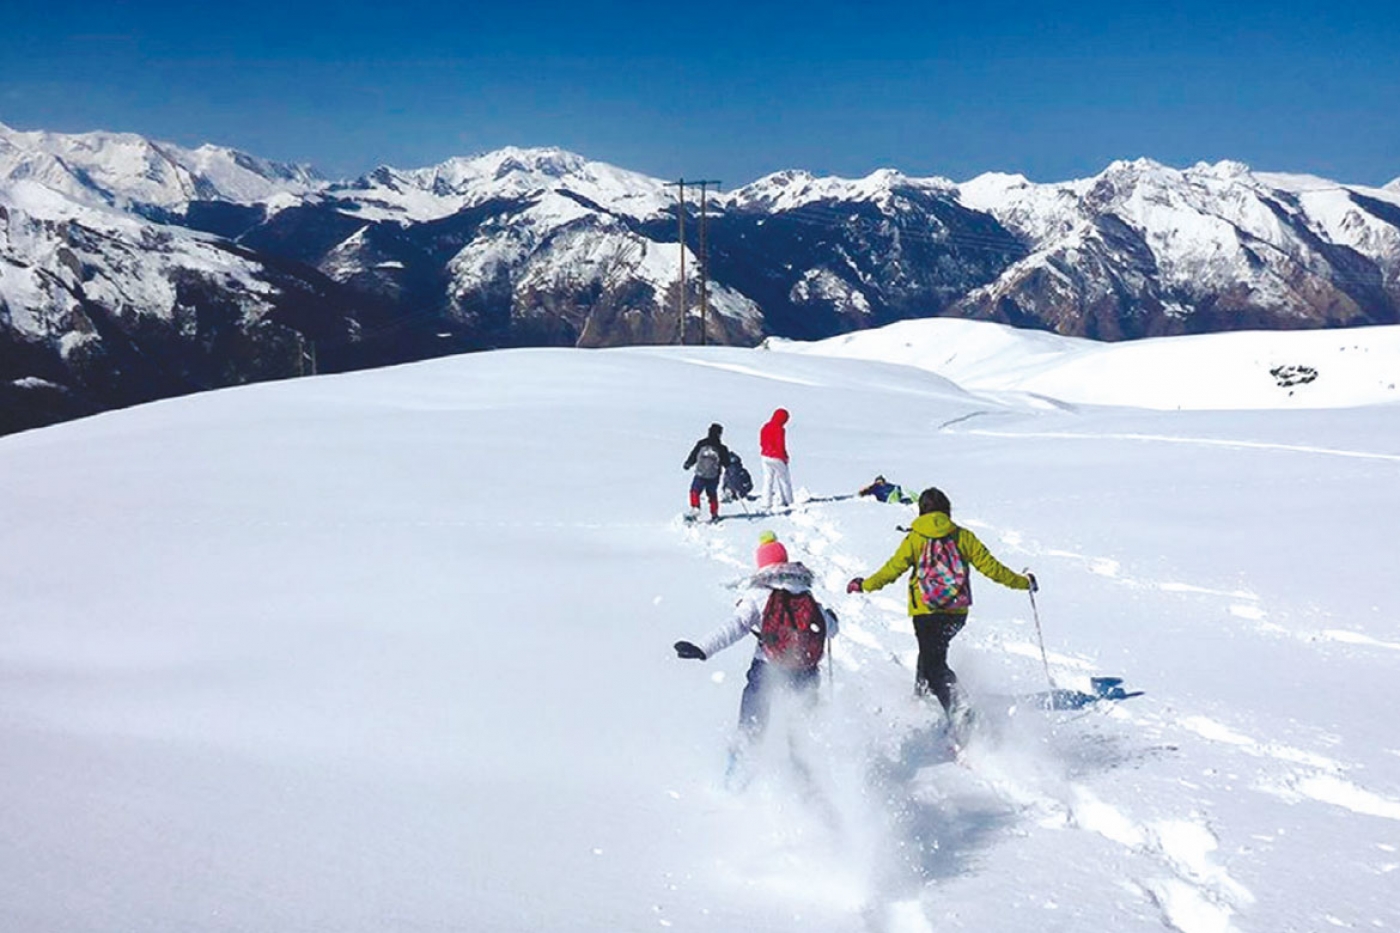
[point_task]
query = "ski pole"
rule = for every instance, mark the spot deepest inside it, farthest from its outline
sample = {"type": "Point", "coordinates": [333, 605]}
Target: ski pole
{"type": "Point", "coordinates": [830, 670]}
{"type": "Point", "coordinates": [1040, 636]}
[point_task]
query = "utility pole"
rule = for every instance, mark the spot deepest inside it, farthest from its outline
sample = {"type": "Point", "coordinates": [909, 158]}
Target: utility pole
{"type": "Point", "coordinates": [704, 262]}
{"type": "Point", "coordinates": [679, 185]}
{"type": "Point", "coordinates": [306, 355]}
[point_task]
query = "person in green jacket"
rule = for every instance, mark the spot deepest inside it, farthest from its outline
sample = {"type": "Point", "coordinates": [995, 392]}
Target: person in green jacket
{"type": "Point", "coordinates": [938, 553]}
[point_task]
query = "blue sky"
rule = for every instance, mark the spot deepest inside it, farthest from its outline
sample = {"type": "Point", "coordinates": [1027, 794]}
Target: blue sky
{"type": "Point", "coordinates": [728, 90]}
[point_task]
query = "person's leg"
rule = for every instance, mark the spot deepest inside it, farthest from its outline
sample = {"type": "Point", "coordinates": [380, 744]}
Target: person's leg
{"type": "Point", "coordinates": [756, 700]}
{"type": "Point", "coordinates": [935, 632]}
{"type": "Point", "coordinates": [804, 687]}
{"type": "Point", "coordinates": [784, 478]}
{"type": "Point", "coordinates": [696, 485]}
{"type": "Point", "coordinates": [767, 482]}
{"type": "Point", "coordinates": [753, 719]}
{"type": "Point", "coordinates": [712, 493]}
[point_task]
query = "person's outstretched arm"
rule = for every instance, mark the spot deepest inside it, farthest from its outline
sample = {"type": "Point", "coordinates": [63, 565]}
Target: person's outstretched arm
{"type": "Point", "coordinates": [743, 621]}
{"type": "Point", "coordinates": [904, 557]}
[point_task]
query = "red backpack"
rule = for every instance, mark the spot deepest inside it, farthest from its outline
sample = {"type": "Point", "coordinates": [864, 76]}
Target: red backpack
{"type": "Point", "coordinates": [793, 631]}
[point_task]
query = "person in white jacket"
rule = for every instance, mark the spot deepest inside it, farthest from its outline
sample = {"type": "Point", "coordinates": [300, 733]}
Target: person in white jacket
{"type": "Point", "coordinates": [791, 630]}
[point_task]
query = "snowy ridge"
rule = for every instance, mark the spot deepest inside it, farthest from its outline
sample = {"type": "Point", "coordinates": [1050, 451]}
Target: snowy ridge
{"type": "Point", "coordinates": [574, 231]}
{"type": "Point", "coordinates": [1175, 240]}
{"type": "Point", "coordinates": [1242, 370]}
{"type": "Point", "coordinates": [1043, 213]}
{"type": "Point", "coordinates": [101, 308]}
{"type": "Point", "coordinates": [557, 245]}
{"type": "Point", "coordinates": [48, 240]}
{"type": "Point", "coordinates": [403, 655]}
{"type": "Point", "coordinates": [1194, 219]}
{"type": "Point", "coordinates": [510, 173]}
{"type": "Point", "coordinates": [1341, 214]}
{"type": "Point", "coordinates": [128, 170]}
{"type": "Point", "coordinates": [790, 190]}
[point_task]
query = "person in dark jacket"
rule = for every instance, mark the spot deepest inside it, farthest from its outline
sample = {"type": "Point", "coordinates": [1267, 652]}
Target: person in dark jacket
{"type": "Point", "coordinates": [886, 491]}
{"type": "Point", "coordinates": [737, 481]}
{"type": "Point", "coordinates": [708, 457]}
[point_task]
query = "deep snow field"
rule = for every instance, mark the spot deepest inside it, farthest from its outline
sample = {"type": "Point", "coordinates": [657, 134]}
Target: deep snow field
{"type": "Point", "coordinates": [390, 651]}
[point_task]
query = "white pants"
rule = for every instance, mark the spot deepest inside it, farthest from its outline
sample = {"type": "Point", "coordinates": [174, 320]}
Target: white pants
{"type": "Point", "coordinates": [776, 479]}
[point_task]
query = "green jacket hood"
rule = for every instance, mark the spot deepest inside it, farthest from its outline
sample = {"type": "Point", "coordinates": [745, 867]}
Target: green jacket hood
{"type": "Point", "coordinates": [933, 525]}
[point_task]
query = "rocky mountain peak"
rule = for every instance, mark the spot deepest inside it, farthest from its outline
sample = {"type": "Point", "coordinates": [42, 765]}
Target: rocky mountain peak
{"type": "Point", "coordinates": [1225, 169]}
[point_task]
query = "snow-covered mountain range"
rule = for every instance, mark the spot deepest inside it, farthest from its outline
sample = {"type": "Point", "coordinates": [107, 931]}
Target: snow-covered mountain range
{"type": "Point", "coordinates": [126, 264]}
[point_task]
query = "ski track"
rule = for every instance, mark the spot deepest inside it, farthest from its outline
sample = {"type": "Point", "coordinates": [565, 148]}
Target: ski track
{"type": "Point", "coordinates": [751, 371]}
{"type": "Point", "coordinates": [1183, 882]}
{"type": "Point", "coordinates": [1173, 439]}
{"type": "Point", "coordinates": [1287, 772]}
{"type": "Point", "coordinates": [1239, 604]}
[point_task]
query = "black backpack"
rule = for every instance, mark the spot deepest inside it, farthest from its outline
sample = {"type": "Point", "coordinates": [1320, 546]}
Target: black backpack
{"type": "Point", "coordinates": [737, 479]}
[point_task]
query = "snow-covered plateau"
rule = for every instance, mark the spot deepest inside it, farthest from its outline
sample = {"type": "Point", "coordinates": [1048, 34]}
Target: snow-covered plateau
{"type": "Point", "coordinates": [391, 650]}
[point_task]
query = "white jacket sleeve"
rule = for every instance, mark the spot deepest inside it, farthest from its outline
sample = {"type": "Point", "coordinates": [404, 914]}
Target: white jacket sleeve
{"type": "Point", "coordinates": [747, 616]}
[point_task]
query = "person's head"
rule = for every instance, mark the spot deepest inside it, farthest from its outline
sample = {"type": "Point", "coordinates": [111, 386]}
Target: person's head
{"type": "Point", "coordinates": [933, 499]}
{"type": "Point", "coordinates": [780, 415]}
{"type": "Point", "coordinates": [716, 430]}
{"type": "Point", "coordinates": [770, 550]}
{"type": "Point", "coordinates": [879, 480]}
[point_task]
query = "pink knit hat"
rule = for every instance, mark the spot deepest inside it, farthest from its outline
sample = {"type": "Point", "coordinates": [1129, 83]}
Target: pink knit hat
{"type": "Point", "coordinates": [770, 550]}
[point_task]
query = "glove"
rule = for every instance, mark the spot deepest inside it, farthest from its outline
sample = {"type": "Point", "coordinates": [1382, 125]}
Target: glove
{"type": "Point", "coordinates": [855, 585]}
{"type": "Point", "coordinates": [685, 649]}
{"type": "Point", "coordinates": [1034, 587]}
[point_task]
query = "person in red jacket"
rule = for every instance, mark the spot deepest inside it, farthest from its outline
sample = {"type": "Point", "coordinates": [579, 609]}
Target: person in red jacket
{"type": "Point", "coordinates": [772, 445]}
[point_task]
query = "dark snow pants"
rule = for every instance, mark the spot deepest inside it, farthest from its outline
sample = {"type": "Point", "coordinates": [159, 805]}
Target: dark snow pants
{"type": "Point", "coordinates": [763, 680]}
{"type": "Point", "coordinates": [935, 631]}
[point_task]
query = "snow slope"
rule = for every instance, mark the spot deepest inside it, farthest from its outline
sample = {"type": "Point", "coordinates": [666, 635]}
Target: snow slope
{"type": "Point", "coordinates": [1247, 369]}
{"type": "Point", "coordinates": [390, 650]}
